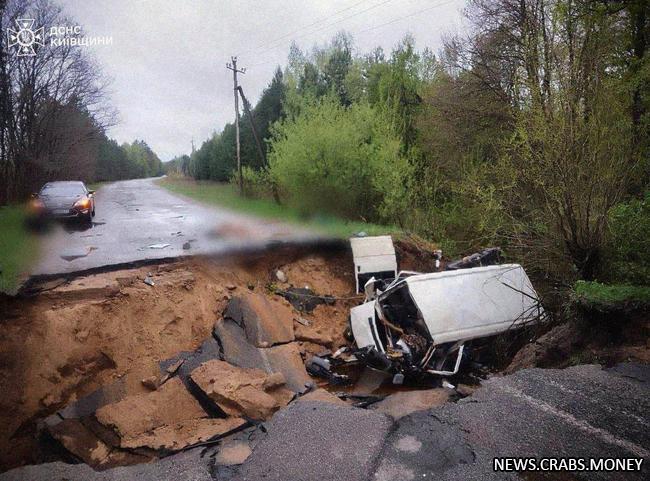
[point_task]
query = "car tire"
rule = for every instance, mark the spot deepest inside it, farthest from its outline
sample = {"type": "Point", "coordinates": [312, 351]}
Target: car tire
{"type": "Point", "coordinates": [88, 219]}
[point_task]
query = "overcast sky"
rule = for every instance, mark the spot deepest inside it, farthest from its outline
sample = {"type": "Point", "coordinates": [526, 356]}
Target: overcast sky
{"type": "Point", "coordinates": [168, 57]}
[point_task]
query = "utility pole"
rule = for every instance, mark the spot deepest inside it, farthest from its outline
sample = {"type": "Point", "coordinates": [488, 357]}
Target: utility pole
{"type": "Point", "coordinates": [233, 66]}
{"type": "Point", "coordinates": [247, 108]}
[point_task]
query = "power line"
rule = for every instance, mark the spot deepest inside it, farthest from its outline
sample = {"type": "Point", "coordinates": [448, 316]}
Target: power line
{"type": "Point", "coordinates": [325, 27]}
{"type": "Point", "coordinates": [395, 20]}
{"type": "Point", "coordinates": [316, 22]}
{"type": "Point", "coordinates": [406, 16]}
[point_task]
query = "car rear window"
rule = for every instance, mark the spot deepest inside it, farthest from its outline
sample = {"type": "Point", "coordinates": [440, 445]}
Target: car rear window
{"type": "Point", "coordinates": [63, 189]}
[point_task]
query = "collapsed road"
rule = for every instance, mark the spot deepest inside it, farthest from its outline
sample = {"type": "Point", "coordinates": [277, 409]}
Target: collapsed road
{"type": "Point", "coordinates": [195, 369]}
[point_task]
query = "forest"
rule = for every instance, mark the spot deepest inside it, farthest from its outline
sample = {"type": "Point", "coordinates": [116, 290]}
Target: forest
{"type": "Point", "coordinates": [54, 115]}
{"type": "Point", "coordinates": [530, 131]}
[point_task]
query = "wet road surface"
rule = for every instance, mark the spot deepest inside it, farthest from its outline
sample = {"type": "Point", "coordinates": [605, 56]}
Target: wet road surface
{"type": "Point", "coordinates": [137, 220]}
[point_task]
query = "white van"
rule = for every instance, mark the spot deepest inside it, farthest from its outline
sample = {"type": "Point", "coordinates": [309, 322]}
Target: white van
{"type": "Point", "coordinates": [419, 319]}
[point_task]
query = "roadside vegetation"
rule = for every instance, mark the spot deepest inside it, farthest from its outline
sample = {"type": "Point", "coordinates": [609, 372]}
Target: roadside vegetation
{"type": "Point", "coordinates": [18, 248]}
{"type": "Point", "coordinates": [539, 145]}
{"type": "Point", "coordinates": [226, 195]}
{"type": "Point", "coordinates": [603, 295]}
{"type": "Point", "coordinates": [53, 120]}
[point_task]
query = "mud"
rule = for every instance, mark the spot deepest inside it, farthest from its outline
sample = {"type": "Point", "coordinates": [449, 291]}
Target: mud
{"type": "Point", "coordinates": [110, 370]}
{"type": "Point", "coordinates": [112, 330]}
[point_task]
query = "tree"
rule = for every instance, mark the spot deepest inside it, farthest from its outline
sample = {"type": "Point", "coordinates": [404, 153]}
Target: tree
{"type": "Point", "coordinates": [338, 160]}
{"type": "Point", "coordinates": [60, 86]}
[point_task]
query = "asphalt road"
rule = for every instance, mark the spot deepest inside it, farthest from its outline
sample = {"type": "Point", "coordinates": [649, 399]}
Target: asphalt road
{"type": "Point", "coordinates": [580, 412]}
{"type": "Point", "coordinates": [137, 220]}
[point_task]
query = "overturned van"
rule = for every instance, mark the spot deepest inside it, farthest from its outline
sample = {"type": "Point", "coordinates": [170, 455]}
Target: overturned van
{"type": "Point", "coordinates": [418, 323]}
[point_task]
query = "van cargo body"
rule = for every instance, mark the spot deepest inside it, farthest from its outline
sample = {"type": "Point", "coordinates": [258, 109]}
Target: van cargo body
{"type": "Point", "coordinates": [444, 308]}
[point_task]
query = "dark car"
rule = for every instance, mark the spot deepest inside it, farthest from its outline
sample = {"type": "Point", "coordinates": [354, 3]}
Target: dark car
{"type": "Point", "coordinates": [69, 199]}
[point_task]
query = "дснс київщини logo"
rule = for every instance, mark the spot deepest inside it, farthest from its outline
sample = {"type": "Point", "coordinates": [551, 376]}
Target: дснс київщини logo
{"type": "Point", "coordinates": [25, 38]}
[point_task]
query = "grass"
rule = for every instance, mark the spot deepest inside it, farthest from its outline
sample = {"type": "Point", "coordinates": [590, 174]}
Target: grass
{"type": "Point", "coordinates": [595, 294]}
{"type": "Point", "coordinates": [18, 248]}
{"type": "Point", "coordinates": [226, 195]}
{"type": "Point", "coordinates": [97, 185]}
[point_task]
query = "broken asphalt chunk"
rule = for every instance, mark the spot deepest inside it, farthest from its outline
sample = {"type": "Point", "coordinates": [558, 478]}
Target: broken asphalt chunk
{"type": "Point", "coordinates": [322, 395]}
{"type": "Point", "coordinates": [80, 442]}
{"type": "Point", "coordinates": [185, 362]}
{"type": "Point", "coordinates": [266, 322]}
{"type": "Point", "coordinates": [403, 403]}
{"type": "Point", "coordinates": [241, 391]}
{"type": "Point", "coordinates": [169, 418]}
{"type": "Point", "coordinates": [284, 358]}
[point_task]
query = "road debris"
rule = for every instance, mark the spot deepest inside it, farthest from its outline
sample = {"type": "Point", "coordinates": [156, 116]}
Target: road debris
{"type": "Point", "coordinates": [320, 367]}
{"type": "Point", "coordinates": [169, 418]}
{"type": "Point", "coordinates": [157, 246]}
{"type": "Point", "coordinates": [75, 253]}
{"type": "Point", "coordinates": [266, 322]}
{"type": "Point", "coordinates": [486, 257]}
{"type": "Point", "coordinates": [373, 257]}
{"type": "Point", "coordinates": [281, 276]}
{"type": "Point", "coordinates": [403, 403]}
{"type": "Point", "coordinates": [322, 395]}
{"type": "Point", "coordinates": [149, 281]}
{"type": "Point", "coordinates": [242, 392]}
{"type": "Point", "coordinates": [304, 299]}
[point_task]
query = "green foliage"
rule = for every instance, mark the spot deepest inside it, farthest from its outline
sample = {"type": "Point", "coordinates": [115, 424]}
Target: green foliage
{"type": "Point", "coordinates": [257, 183]}
{"type": "Point", "coordinates": [18, 248]}
{"type": "Point", "coordinates": [143, 162]}
{"type": "Point", "coordinates": [526, 135]}
{"type": "Point", "coordinates": [216, 157]}
{"type": "Point", "coordinates": [596, 295]}
{"type": "Point", "coordinates": [342, 161]}
{"type": "Point", "coordinates": [128, 161]}
{"type": "Point", "coordinates": [628, 250]}
{"type": "Point", "coordinates": [178, 166]}
{"type": "Point", "coordinates": [398, 91]}
{"type": "Point", "coordinates": [562, 173]}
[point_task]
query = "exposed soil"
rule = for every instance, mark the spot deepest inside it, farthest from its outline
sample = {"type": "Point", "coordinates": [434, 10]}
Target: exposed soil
{"type": "Point", "coordinates": [112, 330]}
{"type": "Point", "coordinates": [66, 342]}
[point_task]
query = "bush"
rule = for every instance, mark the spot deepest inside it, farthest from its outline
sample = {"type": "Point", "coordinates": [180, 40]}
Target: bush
{"type": "Point", "coordinates": [341, 161]}
{"type": "Point", "coordinates": [629, 242]}
{"type": "Point", "coordinates": [257, 183]}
